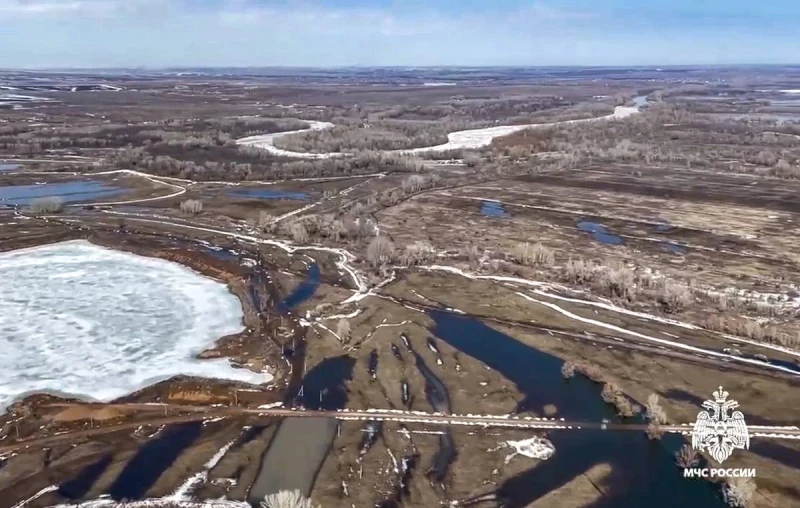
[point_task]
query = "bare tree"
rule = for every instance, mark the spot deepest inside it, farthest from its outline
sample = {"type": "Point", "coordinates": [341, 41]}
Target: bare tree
{"type": "Point", "coordinates": [529, 255]}
{"type": "Point", "coordinates": [675, 297]}
{"type": "Point", "coordinates": [655, 413]}
{"type": "Point", "coordinates": [687, 457]}
{"type": "Point", "coordinates": [192, 206]}
{"type": "Point", "coordinates": [287, 499]}
{"type": "Point", "coordinates": [380, 251]}
{"type": "Point", "coordinates": [343, 330]}
{"type": "Point", "coordinates": [53, 204]}
{"type": "Point", "coordinates": [738, 492]}
{"type": "Point", "coordinates": [299, 232]}
{"type": "Point", "coordinates": [414, 183]}
{"type": "Point", "coordinates": [418, 253]}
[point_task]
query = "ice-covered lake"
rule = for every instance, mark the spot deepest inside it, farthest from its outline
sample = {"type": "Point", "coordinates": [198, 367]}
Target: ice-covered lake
{"type": "Point", "coordinates": [97, 323]}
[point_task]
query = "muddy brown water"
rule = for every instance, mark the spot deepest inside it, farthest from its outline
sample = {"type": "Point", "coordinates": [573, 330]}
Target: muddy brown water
{"type": "Point", "coordinates": [294, 457]}
{"type": "Point", "coordinates": [300, 445]}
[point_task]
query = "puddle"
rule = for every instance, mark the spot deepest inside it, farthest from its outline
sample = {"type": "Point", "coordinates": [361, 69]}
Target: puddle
{"type": "Point", "coordinates": [7, 166]}
{"type": "Point", "coordinates": [600, 233]}
{"type": "Point", "coordinates": [674, 248]}
{"type": "Point", "coordinates": [372, 364]}
{"type": "Point", "coordinates": [787, 364]}
{"type": "Point", "coordinates": [152, 460]}
{"type": "Point", "coordinates": [304, 290]}
{"type": "Point", "coordinates": [70, 192]}
{"type": "Point", "coordinates": [493, 209]}
{"type": "Point", "coordinates": [270, 194]}
{"type": "Point", "coordinates": [644, 472]}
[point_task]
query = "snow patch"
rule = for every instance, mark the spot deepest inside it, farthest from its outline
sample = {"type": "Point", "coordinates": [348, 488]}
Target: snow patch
{"type": "Point", "coordinates": [535, 448]}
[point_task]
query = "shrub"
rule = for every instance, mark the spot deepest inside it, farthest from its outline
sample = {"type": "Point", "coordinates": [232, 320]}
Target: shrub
{"type": "Point", "coordinates": [675, 297]}
{"type": "Point", "coordinates": [568, 370]}
{"type": "Point", "coordinates": [299, 232]}
{"type": "Point", "coordinates": [287, 499]}
{"type": "Point", "coordinates": [618, 281]}
{"type": "Point", "coordinates": [687, 457]}
{"type": "Point", "coordinates": [613, 395]}
{"type": "Point", "coordinates": [654, 431]}
{"type": "Point", "coordinates": [471, 160]}
{"type": "Point", "coordinates": [380, 251]}
{"type": "Point", "coordinates": [192, 206]}
{"type": "Point", "coordinates": [266, 222]}
{"type": "Point", "coordinates": [655, 413]}
{"type": "Point", "coordinates": [579, 272]}
{"type": "Point", "coordinates": [418, 253]}
{"type": "Point", "coordinates": [51, 204]}
{"type": "Point", "coordinates": [414, 183]}
{"type": "Point", "coordinates": [529, 255]}
{"type": "Point", "coordinates": [343, 330]}
{"type": "Point", "coordinates": [470, 253]}
{"type": "Point", "coordinates": [738, 492]}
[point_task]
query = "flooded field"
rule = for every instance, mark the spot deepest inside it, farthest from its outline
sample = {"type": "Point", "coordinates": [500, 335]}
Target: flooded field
{"type": "Point", "coordinates": [270, 194]}
{"type": "Point", "coordinates": [644, 471]}
{"type": "Point", "coordinates": [599, 232]}
{"type": "Point", "coordinates": [69, 192]}
{"type": "Point", "coordinates": [493, 209]}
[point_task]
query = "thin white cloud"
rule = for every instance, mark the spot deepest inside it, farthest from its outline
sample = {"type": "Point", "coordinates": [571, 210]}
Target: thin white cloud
{"type": "Point", "coordinates": [71, 9]}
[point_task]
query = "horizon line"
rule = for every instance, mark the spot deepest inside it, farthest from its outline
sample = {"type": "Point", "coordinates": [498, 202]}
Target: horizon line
{"type": "Point", "coordinates": [446, 66]}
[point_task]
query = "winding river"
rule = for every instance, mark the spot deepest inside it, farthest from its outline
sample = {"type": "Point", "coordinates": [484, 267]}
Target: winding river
{"type": "Point", "coordinates": [466, 139]}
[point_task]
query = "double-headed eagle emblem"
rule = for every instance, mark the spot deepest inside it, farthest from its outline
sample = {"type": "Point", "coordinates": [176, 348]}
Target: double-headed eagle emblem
{"type": "Point", "coordinates": [720, 433]}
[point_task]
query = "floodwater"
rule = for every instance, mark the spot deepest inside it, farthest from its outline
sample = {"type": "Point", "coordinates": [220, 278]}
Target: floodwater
{"type": "Point", "coordinates": [644, 472]}
{"type": "Point", "coordinates": [439, 399]}
{"type": "Point", "coordinates": [8, 166]}
{"type": "Point", "coordinates": [304, 290]}
{"type": "Point", "coordinates": [152, 460]}
{"type": "Point", "coordinates": [300, 445]}
{"type": "Point", "coordinates": [640, 101]}
{"type": "Point", "coordinates": [81, 484]}
{"type": "Point", "coordinates": [599, 233]}
{"type": "Point", "coordinates": [493, 209]}
{"type": "Point", "coordinates": [294, 457]}
{"type": "Point", "coordinates": [270, 194]}
{"type": "Point", "coordinates": [70, 192]}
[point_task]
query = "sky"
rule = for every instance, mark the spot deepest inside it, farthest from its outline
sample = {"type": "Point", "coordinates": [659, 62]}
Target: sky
{"type": "Point", "coordinates": [234, 33]}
